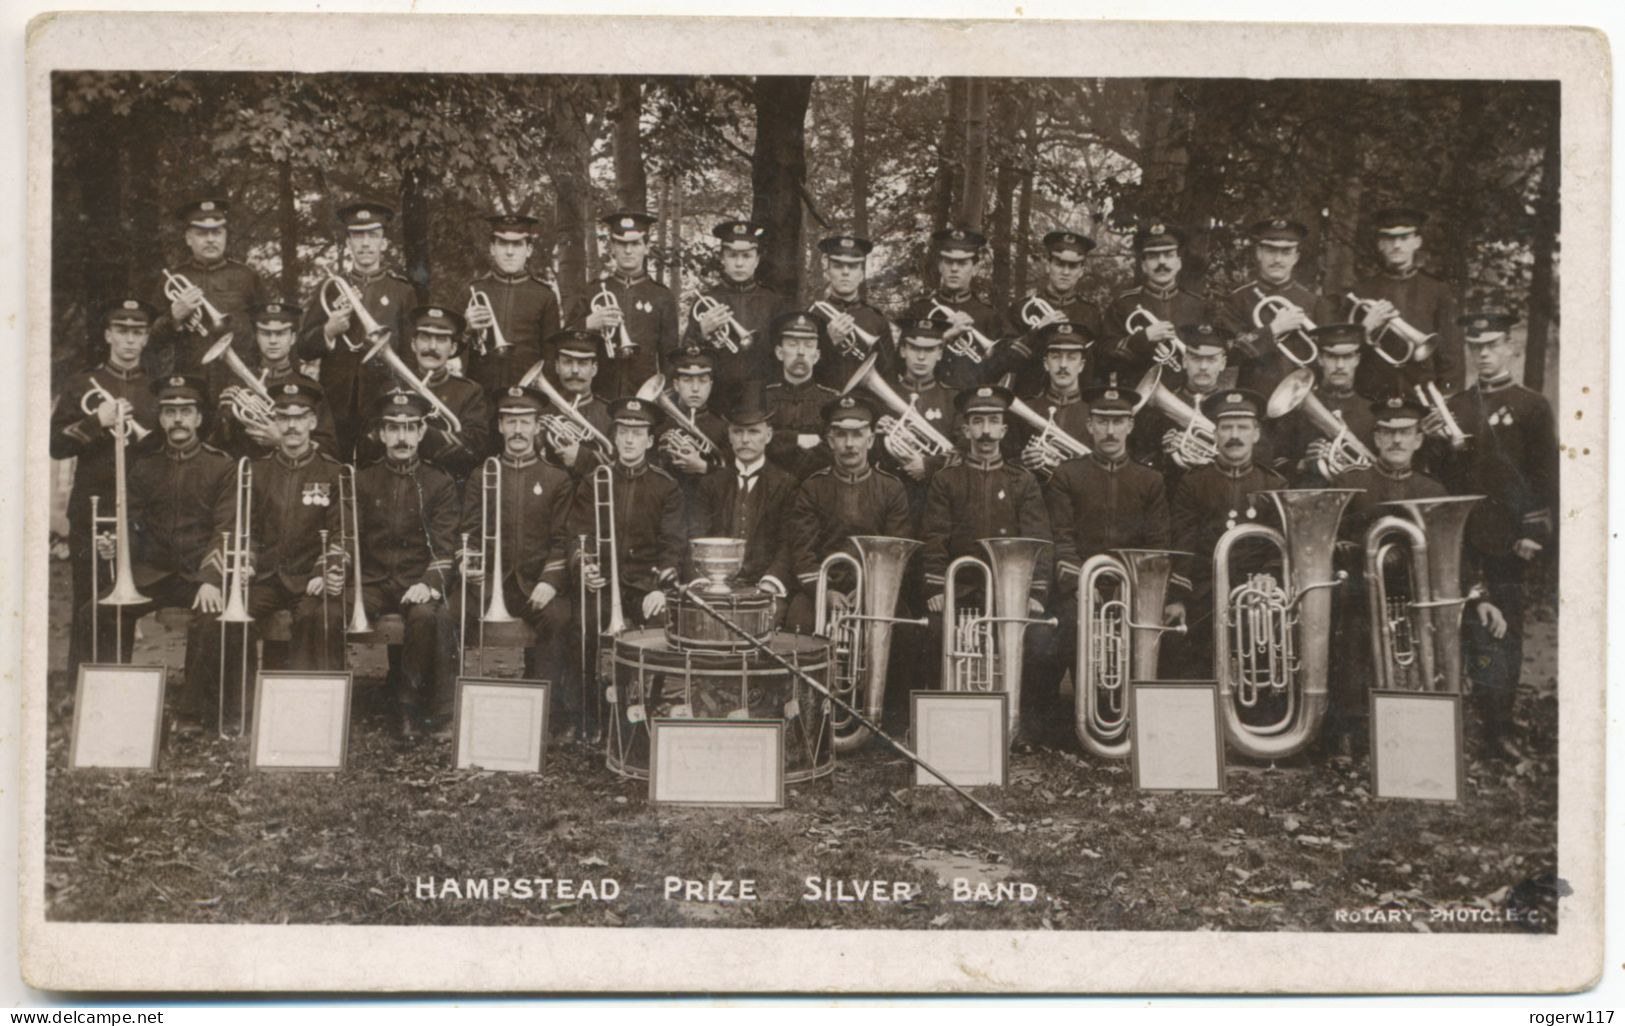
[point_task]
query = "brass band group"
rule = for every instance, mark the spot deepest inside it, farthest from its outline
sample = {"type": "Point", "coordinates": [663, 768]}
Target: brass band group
{"type": "Point", "coordinates": [1303, 496]}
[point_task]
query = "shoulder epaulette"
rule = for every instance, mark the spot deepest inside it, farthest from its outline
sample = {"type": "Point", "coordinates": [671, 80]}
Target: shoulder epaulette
{"type": "Point", "coordinates": [209, 448]}
{"type": "Point", "coordinates": [878, 470]}
{"type": "Point", "coordinates": [329, 457]}
{"type": "Point", "coordinates": [538, 279]}
{"type": "Point", "coordinates": [1239, 289]}
{"type": "Point", "coordinates": [826, 388]}
{"type": "Point", "coordinates": [653, 469]}
{"type": "Point", "coordinates": [776, 384]}
{"type": "Point", "coordinates": [398, 276]}
{"type": "Point", "coordinates": [1136, 290]}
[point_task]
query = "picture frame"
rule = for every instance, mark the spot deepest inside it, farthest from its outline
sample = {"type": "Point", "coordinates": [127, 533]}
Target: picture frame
{"type": "Point", "coordinates": [500, 724]}
{"type": "Point", "coordinates": [293, 704]}
{"type": "Point", "coordinates": [1171, 724]}
{"type": "Point", "coordinates": [1417, 746]}
{"type": "Point", "coordinates": [118, 717]}
{"type": "Point", "coordinates": [964, 734]}
{"type": "Point", "coordinates": [717, 762]}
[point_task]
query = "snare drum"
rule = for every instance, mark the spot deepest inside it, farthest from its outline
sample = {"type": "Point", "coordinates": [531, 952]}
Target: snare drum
{"type": "Point", "coordinates": [653, 679]}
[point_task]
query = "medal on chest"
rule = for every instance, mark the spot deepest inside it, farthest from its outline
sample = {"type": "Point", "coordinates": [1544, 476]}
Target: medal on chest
{"type": "Point", "coordinates": [536, 489]}
{"type": "Point", "coordinates": [316, 493]}
{"type": "Point", "coordinates": [1502, 417]}
{"type": "Point", "coordinates": [644, 305]}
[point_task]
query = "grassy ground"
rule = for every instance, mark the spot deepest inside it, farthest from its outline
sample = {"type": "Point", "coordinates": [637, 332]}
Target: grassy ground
{"type": "Point", "coordinates": [1303, 847]}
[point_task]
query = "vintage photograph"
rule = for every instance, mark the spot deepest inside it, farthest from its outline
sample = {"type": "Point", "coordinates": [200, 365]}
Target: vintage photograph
{"type": "Point", "coordinates": [858, 495]}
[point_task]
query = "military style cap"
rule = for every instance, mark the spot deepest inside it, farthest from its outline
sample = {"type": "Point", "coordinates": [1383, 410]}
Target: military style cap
{"type": "Point", "coordinates": [634, 411]}
{"type": "Point", "coordinates": [845, 247]}
{"type": "Point", "coordinates": [1488, 326]}
{"type": "Point", "coordinates": [134, 313]}
{"type": "Point", "coordinates": [1397, 411]}
{"type": "Point", "coordinates": [1234, 402]}
{"type": "Point", "coordinates": [1398, 220]}
{"type": "Point", "coordinates": [1278, 231]}
{"type": "Point", "coordinates": [204, 212]}
{"type": "Point", "coordinates": [1110, 400]}
{"type": "Point", "coordinates": [512, 227]}
{"type": "Point", "coordinates": [365, 215]}
{"type": "Point", "coordinates": [437, 320]}
{"type": "Point", "coordinates": [1070, 245]}
{"type": "Point", "coordinates": [627, 225]}
{"type": "Point", "coordinates": [1065, 336]}
{"type": "Point", "coordinates": [957, 242]}
{"type": "Point", "coordinates": [274, 314]}
{"type": "Point", "coordinates": [751, 407]}
{"type": "Point", "coordinates": [1204, 338]}
{"type": "Point", "coordinates": [1158, 237]}
{"type": "Point", "coordinates": [925, 332]}
{"type": "Point", "coordinates": [297, 395]}
{"type": "Point", "coordinates": [585, 345]}
{"type": "Point", "coordinates": [983, 399]}
{"type": "Point", "coordinates": [739, 234]}
{"type": "Point", "coordinates": [179, 390]}
{"type": "Point", "coordinates": [693, 361]}
{"type": "Point", "coordinates": [796, 324]}
{"type": "Point", "coordinates": [848, 411]}
{"type": "Point", "coordinates": [401, 406]}
{"type": "Point", "coordinates": [517, 399]}
{"type": "Point", "coordinates": [1339, 339]}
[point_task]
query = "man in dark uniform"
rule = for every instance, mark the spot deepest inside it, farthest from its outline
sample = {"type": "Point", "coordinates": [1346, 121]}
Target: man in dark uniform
{"type": "Point", "coordinates": [409, 511]}
{"type": "Point", "coordinates": [182, 497]}
{"type": "Point", "coordinates": [1257, 352]}
{"type": "Point", "coordinates": [795, 399]}
{"type": "Point", "coordinates": [517, 301]}
{"type": "Point", "coordinates": [643, 306]}
{"type": "Point", "coordinates": [337, 340]}
{"type": "Point", "coordinates": [273, 326]}
{"type": "Point", "coordinates": [750, 499]}
{"type": "Point", "coordinates": [436, 334]}
{"type": "Point", "coordinates": [1063, 348]}
{"type": "Point", "coordinates": [957, 252]}
{"type": "Point", "coordinates": [981, 497]}
{"type": "Point", "coordinates": [229, 286]}
{"type": "Point", "coordinates": [1402, 289]}
{"type": "Point", "coordinates": [535, 499]}
{"type": "Point", "coordinates": [116, 384]}
{"type": "Point", "coordinates": [1063, 269]}
{"type": "Point", "coordinates": [1100, 503]}
{"type": "Point", "coordinates": [681, 453]}
{"type": "Point", "coordinates": [574, 355]}
{"type": "Point", "coordinates": [1154, 308]}
{"type": "Point", "coordinates": [1299, 445]}
{"type": "Point", "coordinates": [1511, 458]}
{"type": "Point", "coordinates": [1203, 504]}
{"type": "Point", "coordinates": [1162, 442]}
{"type": "Point", "coordinates": [746, 301]}
{"type": "Point", "coordinates": [847, 318]}
{"type": "Point", "coordinates": [848, 498]}
{"type": "Point", "coordinates": [919, 356]}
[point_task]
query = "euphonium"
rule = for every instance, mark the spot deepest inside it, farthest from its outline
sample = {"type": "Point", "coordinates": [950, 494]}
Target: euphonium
{"type": "Point", "coordinates": [603, 502]}
{"type": "Point", "coordinates": [1270, 638]}
{"type": "Point", "coordinates": [862, 633]}
{"type": "Point", "coordinates": [1432, 399]}
{"type": "Point", "coordinates": [686, 437]}
{"type": "Point", "coordinates": [1055, 443]}
{"type": "Point", "coordinates": [856, 343]}
{"type": "Point", "coordinates": [1118, 639]}
{"type": "Point", "coordinates": [350, 541]}
{"type": "Point", "coordinates": [491, 542]}
{"type": "Point", "coordinates": [908, 433]}
{"type": "Point", "coordinates": [1418, 345]}
{"type": "Point", "coordinates": [1444, 523]}
{"type": "Point", "coordinates": [732, 335]}
{"type": "Point", "coordinates": [1345, 452]}
{"type": "Point", "coordinates": [1170, 354]}
{"type": "Point", "coordinates": [975, 656]}
{"type": "Point", "coordinates": [1199, 444]}
{"type": "Point", "coordinates": [124, 591]}
{"type": "Point", "coordinates": [1274, 305]}
{"type": "Point", "coordinates": [568, 427]}
{"type": "Point", "coordinates": [174, 285]}
{"type": "Point", "coordinates": [382, 349]}
{"type": "Point", "coordinates": [336, 293]}
{"type": "Point", "coordinates": [490, 339]}
{"type": "Point", "coordinates": [618, 344]}
{"type": "Point", "coordinates": [251, 403]}
{"type": "Point", "coordinates": [972, 345]}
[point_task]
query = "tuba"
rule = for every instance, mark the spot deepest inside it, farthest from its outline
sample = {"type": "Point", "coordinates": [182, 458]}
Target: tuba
{"type": "Point", "coordinates": [1433, 400]}
{"type": "Point", "coordinates": [1416, 638]}
{"type": "Point", "coordinates": [982, 651]}
{"type": "Point", "coordinates": [350, 541]}
{"type": "Point", "coordinates": [856, 343]}
{"type": "Point", "coordinates": [491, 338]}
{"type": "Point", "coordinates": [383, 350]}
{"type": "Point", "coordinates": [971, 345]}
{"type": "Point", "coordinates": [1056, 445]}
{"type": "Point", "coordinates": [335, 294]}
{"type": "Point", "coordinates": [908, 433]}
{"type": "Point", "coordinates": [1272, 638]}
{"type": "Point", "coordinates": [861, 635]}
{"type": "Point", "coordinates": [174, 285]}
{"type": "Point", "coordinates": [686, 438]}
{"type": "Point", "coordinates": [1199, 444]}
{"type": "Point", "coordinates": [1416, 345]}
{"type": "Point", "coordinates": [1346, 452]}
{"type": "Point", "coordinates": [732, 336]}
{"type": "Point", "coordinates": [618, 344]}
{"type": "Point", "coordinates": [250, 403]}
{"type": "Point", "coordinates": [1118, 639]}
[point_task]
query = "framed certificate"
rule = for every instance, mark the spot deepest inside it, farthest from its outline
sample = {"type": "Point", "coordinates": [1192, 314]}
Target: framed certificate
{"type": "Point", "coordinates": [500, 724]}
{"type": "Point", "coordinates": [301, 720]}
{"type": "Point", "coordinates": [964, 734]}
{"type": "Point", "coordinates": [1416, 746]}
{"type": "Point", "coordinates": [118, 717]}
{"type": "Point", "coordinates": [1177, 742]}
{"type": "Point", "coordinates": [717, 762]}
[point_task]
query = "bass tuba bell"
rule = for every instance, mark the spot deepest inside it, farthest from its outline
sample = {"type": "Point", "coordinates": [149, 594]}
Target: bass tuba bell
{"type": "Point", "coordinates": [862, 633]}
{"type": "Point", "coordinates": [1118, 639]}
{"type": "Point", "coordinates": [981, 651]}
{"type": "Point", "coordinates": [1416, 635]}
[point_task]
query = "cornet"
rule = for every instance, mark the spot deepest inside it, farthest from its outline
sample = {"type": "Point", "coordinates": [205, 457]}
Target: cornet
{"type": "Point", "coordinates": [338, 294]}
{"type": "Point", "coordinates": [567, 428]}
{"type": "Point", "coordinates": [908, 434]}
{"type": "Point", "coordinates": [236, 554]}
{"type": "Point", "coordinates": [350, 541]}
{"type": "Point", "coordinates": [1274, 306]}
{"type": "Point", "coordinates": [490, 338]}
{"type": "Point", "coordinates": [861, 633]}
{"type": "Point", "coordinates": [132, 427]}
{"type": "Point", "coordinates": [1170, 354]}
{"type": "Point", "coordinates": [732, 336]}
{"type": "Point", "coordinates": [618, 344]}
{"type": "Point", "coordinates": [1344, 451]}
{"type": "Point", "coordinates": [975, 656]}
{"type": "Point", "coordinates": [382, 349]}
{"type": "Point", "coordinates": [972, 345]}
{"type": "Point", "coordinates": [1036, 309]}
{"type": "Point", "coordinates": [174, 285]}
{"type": "Point", "coordinates": [250, 402]}
{"type": "Point", "coordinates": [1418, 345]}
{"type": "Point", "coordinates": [686, 439]}
{"type": "Point", "coordinates": [1433, 401]}
{"type": "Point", "coordinates": [1199, 443]}
{"type": "Point", "coordinates": [1054, 444]}
{"type": "Point", "coordinates": [856, 343]}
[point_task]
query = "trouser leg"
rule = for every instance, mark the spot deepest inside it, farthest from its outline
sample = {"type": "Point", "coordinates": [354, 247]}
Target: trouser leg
{"type": "Point", "coordinates": [429, 656]}
{"type": "Point", "coordinates": [1496, 664]}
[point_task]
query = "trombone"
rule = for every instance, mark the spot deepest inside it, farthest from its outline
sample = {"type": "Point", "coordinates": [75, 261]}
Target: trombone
{"type": "Point", "coordinates": [975, 655]}
{"type": "Point", "coordinates": [486, 561]}
{"type": "Point", "coordinates": [568, 427]}
{"type": "Point", "coordinates": [856, 343]}
{"type": "Point", "coordinates": [732, 336]}
{"type": "Point", "coordinates": [1169, 354]}
{"type": "Point", "coordinates": [594, 555]}
{"type": "Point", "coordinates": [1433, 401]}
{"type": "Point", "coordinates": [618, 344]}
{"type": "Point", "coordinates": [1118, 639]}
{"type": "Point", "coordinates": [174, 285]}
{"type": "Point", "coordinates": [861, 633]}
{"type": "Point", "coordinates": [1417, 345]}
{"type": "Point", "coordinates": [250, 402]}
{"type": "Point", "coordinates": [350, 542]}
{"type": "Point", "coordinates": [1275, 306]}
{"type": "Point", "coordinates": [972, 345]}
{"type": "Point", "coordinates": [908, 433]}
{"type": "Point", "coordinates": [337, 294]}
{"type": "Point", "coordinates": [124, 591]}
{"type": "Point", "coordinates": [236, 556]}
{"type": "Point", "coordinates": [393, 361]}
{"type": "Point", "coordinates": [1344, 451]}
{"type": "Point", "coordinates": [498, 342]}
{"type": "Point", "coordinates": [687, 439]}
{"type": "Point", "coordinates": [1198, 445]}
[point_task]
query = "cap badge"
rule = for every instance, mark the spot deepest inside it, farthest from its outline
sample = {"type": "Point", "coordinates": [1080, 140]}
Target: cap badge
{"type": "Point", "coordinates": [1279, 222]}
{"type": "Point", "coordinates": [627, 222]}
{"type": "Point", "coordinates": [1233, 397]}
{"type": "Point", "coordinates": [984, 392]}
{"type": "Point", "coordinates": [400, 400]}
{"type": "Point", "coordinates": [363, 215]}
{"type": "Point", "coordinates": [1111, 393]}
{"type": "Point", "coordinates": [1063, 328]}
{"type": "Point", "coordinates": [516, 392]}
{"type": "Point", "coordinates": [847, 402]}
{"type": "Point", "coordinates": [957, 234]}
{"type": "Point", "coordinates": [177, 382]}
{"type": "Point", "coordinates": [290, 389]}
{"type": "Point", "coordinates": [206, 205]}
{"type": "Point", "coordinates": [130, 304]}
{"type": "Point", "coordinates": [1158, 229]}
{"type": "Point", "coordinates": [633, 405]}
{"type": "Point", "coordinates": [741, 227]}
{"type": "Point", "coordinates": [435, 312]}
{"type": "Point", "coordinates": [1480, 323]}
{"type": "Point", "coordinates": [846, 240]}
{"type": "Point", "coordinates": [1395, 403]}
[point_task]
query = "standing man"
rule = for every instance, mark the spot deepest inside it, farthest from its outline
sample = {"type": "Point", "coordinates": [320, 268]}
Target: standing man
{"type": "Point", "coordinates": [796, 398]}
{"type": "Point", "coordinates": [575, 367]}
{"type": "Point", "coordinates": [919, 354]}
{"type": "Point", "coordinates": [1300, 445]}
{"type": "Point", "coordinates": [336, 339]}
{"type": "Point", "coordinates": [517, 301]}
{"type": "Point", "coordinates": [436, 335]}
{"type": "Point", "coordinates": [409, 511]}
{"type": "Point", "coordinates": [1142, 322]}
{"type": "Point", "coordinates": [642, 306]}
{"type": "Point", "coordinates": [1063, 348]}
{"type": "Point", "coordinates": [1064, 253]}
{"type": "Point", "coordinates": [1403, 289]}
{"type": "Point", "coordinates": [230, 286]}
{"type": "Point", "coordinates": [82, 429]}
{"type": "Point", "coordinates": [957, 252]}
{"type": "Point", "coordinates": [744, 299]}
{"type": "Point", "coordinates": [847, 318]}
{"type": "Point", "coordinates": [1260, 362]}
{"type": "Point", "coordinates": [273, 325]}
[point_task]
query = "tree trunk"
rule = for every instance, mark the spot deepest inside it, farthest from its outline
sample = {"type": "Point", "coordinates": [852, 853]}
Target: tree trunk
{"type": "Point", "coordinates": [1543, 275]}
{"type": "Point", "coordinates": [1163, 140]}
{"type": "Point", "coordinates": [1004, 188]}
{"type": "Point", "coordinates": [674, 239]}
{"type": "Point", "coordinates": [1473, 134]}
{"type": "Point", "coordinates": [631, 182]}
{"type": "Point", "coordinates": [415, 229]}
{"type": "Point", "coordinates": [974, 200]}
{"type": "Point", "coordinates": [950, 148]}
{"type": "Point", "coordinates": [572, 187]}
{"type": "Point", "coordinates": [1024, 203]}
{"type": "Point", "coordinates": [145, 246]}
{"type": "Point", "coordinates": [778, 174]}
{"type": "Point", "coordinates": [287, 230]}
{"type": "Point", "coordinates": [860, 157]}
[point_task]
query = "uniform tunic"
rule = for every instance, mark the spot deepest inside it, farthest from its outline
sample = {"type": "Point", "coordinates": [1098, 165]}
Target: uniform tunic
{"type": "Point", "coordinates": [1511, 458]}
{"type": "Point", "coordinates": [409, 516]}
{"type": "Point", "coordinates": [231, 287]}
{"type": "Point", "coordinates": [1429, 306]}
{"type": "Point", "coordinates": [957, 371]}
{"type": "Point", "coordinates": [459, 455]}
{"type": "Point", "coordinates": [1070, 412]}
{"type": "Point", "coordinates": [295, 499]}
{"type": "Point", "coordinates": [537, 499]}
{"type": "Point", "coordinates": [972, 500]}
{"type": "Point", "coordinates": [180, 502]}
{"type": "Point", "coordinates": [1205, 503]}
{"type": "Point", "coordinates": [650, 533]}
{"type": "Point", "coordinates": [1130, 354]}
{"type": "Point", "coordinates": [652, 321]}
{"type": "Point", "coordinates": [1259, 361]}
{"type": "Point", "coordinates": [754, 306]}
{"type": "Point", "coordinates": [1096, 505]}
{"type": "Point", "coordinates": [348, 386]}
{"type": "Point", "coordinates": [935, 403]}
{"type": "Point", "coordinates": [527, 311]}
{"type": "Point", "coordinates": [795, 413]}
{"type": "Point", "coordinates": [1074, 308]}
{"type": "Point", "coordinates": [830, 507]}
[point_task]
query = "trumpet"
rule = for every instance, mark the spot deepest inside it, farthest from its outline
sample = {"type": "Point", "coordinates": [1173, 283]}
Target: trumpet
{"type": "Point", "coordinates": [1345, 452]}
{"type": "Point", "coordinates": [130, 426]}
{"type": "Point", "coordinates": [485, 562]}
{"type": "Point", "coordinates": [1199, 443]}
{"type": "Point", "coordinates": [491, 337]}
{"type": "Point", "coordinates": [862, 632]}
{"type": "Point", "coordinates": [907, 434]}
{"type": "Point", "coordinates": [350, 541]}
{"type": "Point", "coordinates": [972, 345]}
{"type": "Point", "coordinates": [1169, 354]}
{"type": "Point", "coordinates": [1054, 444]}
{"type": "Point", "coordinates": [567, 428]}
{"type": "Point", "coordinates": [392, 360]}
{"type": "Point", "coordinates": [1433, 401]}
{"type": "Point", "coordinates": [856, 343]}
{"type": "Point", "coordinates": [975, 656]}
{"type": "Point", "coordinates": [686, 439]}
{"type": "Point", "coordinates": [732, 336]}
{"type": "Point", "coordinates": [236, 555]}
{"type": "Point", "coordinates": [338, 294]}
{"type": "Point", "coordinates": [250, 402]}
{"type": "Point", "coordinates": [174, 285]}
{"type": "Point", "coordinates": [1417, 345]}
{"type": "Point", "coordinates": [1036, 309]}
{"type": "Point", "coordinates": [1275, 306]}
{"type": "Point", "coordinates": [1118, 639]}
{"type": "Point", "coordinates": [618, 344]}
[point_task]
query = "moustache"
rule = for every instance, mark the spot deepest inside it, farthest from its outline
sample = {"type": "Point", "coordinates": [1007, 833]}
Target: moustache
{"type": "Point", "coordinates": [1234, 443]}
